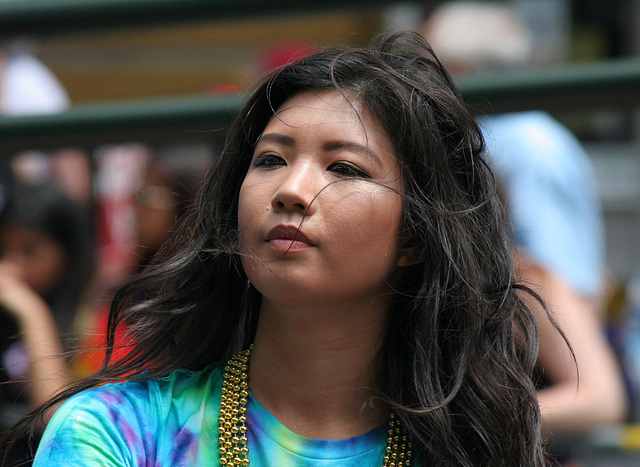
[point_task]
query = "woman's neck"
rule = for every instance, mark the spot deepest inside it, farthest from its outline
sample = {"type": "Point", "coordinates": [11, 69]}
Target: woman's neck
{"type": "Point", "coordinates": [315, 370]}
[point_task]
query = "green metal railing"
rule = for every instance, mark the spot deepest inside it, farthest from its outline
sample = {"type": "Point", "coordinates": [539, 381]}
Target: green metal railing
{"type": "Point", "coordinates": [151, 120]}
{"type": "Point", "coordinates": [610, 84]}
{"type": "Point", "coordinates": [38, 17]}
{"type": "Point", "coordinates": [613, 84]}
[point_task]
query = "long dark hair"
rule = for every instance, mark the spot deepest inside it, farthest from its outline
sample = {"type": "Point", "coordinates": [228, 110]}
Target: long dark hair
{"type": "Point", "coordinates": [461, 344]}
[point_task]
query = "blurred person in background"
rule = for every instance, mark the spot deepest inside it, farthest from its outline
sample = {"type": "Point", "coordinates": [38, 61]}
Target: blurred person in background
{"type": "Point", "coordinates": [45, 244]}
{"type": "Point", "coordinates": [28, 87]}
{"type": "Point", "coordinates": [171, 181]}
{"type": "Point", "coordinates": [551, 196]}
{"type": "Point", "coordinates": [172, 175]}
{"type": "Point", "coordinates": [45, 265]}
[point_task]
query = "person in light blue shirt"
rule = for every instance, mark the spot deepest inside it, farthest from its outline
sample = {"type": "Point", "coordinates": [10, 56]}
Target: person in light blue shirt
{"type": "Point", "coordinates": [551, 195]}
{"type": "Point", "coordinates": [547, 184]}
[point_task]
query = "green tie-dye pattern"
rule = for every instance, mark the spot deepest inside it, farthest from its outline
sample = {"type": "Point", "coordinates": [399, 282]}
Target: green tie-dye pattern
{"type": "Point", "coordinates": [173, 421]}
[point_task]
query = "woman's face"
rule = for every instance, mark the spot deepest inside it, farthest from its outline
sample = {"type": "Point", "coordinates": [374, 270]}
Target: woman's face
{"type": "Point", "coordinates": [319, 208]}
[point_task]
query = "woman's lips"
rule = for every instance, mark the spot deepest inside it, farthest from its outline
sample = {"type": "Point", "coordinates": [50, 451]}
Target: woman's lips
{"type": "Point", "coordinates": [288, 238]}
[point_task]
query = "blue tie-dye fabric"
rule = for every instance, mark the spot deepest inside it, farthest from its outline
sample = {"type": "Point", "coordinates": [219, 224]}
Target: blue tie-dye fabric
{"type": "Point", "coordinates": [173, 421]}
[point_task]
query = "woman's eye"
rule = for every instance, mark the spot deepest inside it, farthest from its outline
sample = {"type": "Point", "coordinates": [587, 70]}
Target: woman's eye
{"type": "Point", "coordinates": [348, 170]}
{"type": "Point", "coordinates": [268, 160]}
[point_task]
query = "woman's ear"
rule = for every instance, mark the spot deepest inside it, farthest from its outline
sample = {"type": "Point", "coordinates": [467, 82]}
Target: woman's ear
{"type": "Point", "coordinates": [410, 256]}
{"type": "Point", "coordinates": [410, 250]}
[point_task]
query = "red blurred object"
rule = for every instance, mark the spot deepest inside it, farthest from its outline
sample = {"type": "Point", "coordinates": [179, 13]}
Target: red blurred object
{"type": "Point", "coordinates": [281, 53]}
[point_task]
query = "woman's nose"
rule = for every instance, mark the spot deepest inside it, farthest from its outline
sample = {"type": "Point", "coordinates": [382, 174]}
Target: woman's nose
{"type": "Point", "coordinates": [296, 191]}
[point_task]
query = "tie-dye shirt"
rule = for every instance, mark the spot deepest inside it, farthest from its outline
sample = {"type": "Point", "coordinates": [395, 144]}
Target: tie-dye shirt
{"type": "Point", "coordinates": [173, 421]}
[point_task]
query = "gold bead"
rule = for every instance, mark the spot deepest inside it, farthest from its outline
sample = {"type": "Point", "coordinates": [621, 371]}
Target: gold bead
{"type": "Point", "coordinates": [232, 418]}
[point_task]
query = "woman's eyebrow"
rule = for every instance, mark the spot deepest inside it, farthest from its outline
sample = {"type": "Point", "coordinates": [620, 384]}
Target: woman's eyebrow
{"type": "Point", "coordinates": [277, 138]}
{"type": "Point", "coordinates": [352, 146]}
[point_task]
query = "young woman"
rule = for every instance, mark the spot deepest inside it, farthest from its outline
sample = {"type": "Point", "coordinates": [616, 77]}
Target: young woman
{"type": "Point", "coordinates": [347, 257]}
{"type": "Point", "coordinates": [45, 265]}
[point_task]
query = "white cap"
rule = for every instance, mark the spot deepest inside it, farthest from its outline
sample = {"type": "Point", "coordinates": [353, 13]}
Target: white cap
{"type": "Point", "coordinates": [481, 36]}
{"type": "Point", "coordinates": [28, 87]}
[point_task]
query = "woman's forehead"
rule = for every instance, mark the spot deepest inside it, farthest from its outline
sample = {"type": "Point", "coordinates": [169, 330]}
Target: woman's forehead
{"type": "Point", "coordinates": [321, 107]}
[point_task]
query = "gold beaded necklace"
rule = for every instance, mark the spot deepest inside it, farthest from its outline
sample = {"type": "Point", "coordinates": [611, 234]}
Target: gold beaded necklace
{"type": "Point", "coordinates": [232, 429]}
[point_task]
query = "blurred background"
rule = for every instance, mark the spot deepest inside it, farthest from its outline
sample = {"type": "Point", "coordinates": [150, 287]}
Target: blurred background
{"type": "Point", "coordinates": [122, 105]}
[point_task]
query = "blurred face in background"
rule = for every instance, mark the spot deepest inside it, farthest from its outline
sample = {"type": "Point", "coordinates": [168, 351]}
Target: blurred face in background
{"type": "Point", "coordinates": [39, 259]}
{"type": "Point", "coordinates": [155, 213]}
